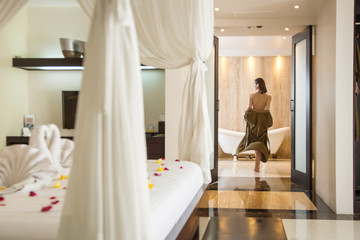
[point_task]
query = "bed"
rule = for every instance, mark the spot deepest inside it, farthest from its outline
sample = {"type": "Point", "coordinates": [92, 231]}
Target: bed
{"type": "Point", "coordinates": [173, 197]}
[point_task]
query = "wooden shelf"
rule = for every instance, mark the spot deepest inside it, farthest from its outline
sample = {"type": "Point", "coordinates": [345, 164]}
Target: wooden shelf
{"type": "Point", "coordinates": [49, 64]}
{"type": "Point", "coordinates": [56, 64]}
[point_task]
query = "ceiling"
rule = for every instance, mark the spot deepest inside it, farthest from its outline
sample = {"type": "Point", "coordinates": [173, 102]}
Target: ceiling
{"type": "Point", "coordinates": [241, 17]}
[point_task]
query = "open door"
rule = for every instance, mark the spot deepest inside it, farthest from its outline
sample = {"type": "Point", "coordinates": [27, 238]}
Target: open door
{"type": "Point", "coordinates": [212, 100]}
{"type": "Point", "coordinates": [301, 125]}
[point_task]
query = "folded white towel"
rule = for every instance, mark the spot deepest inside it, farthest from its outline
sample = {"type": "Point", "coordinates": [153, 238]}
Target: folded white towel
{"type": "Point", "coordinates": [67, 149]}
{"type": "Point", "coordinates": [47, 139]}
{"type": "Point", "coordinates": [22, 166]}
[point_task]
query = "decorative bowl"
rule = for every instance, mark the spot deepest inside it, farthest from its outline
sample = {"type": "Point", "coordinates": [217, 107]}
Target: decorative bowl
{"type": "Point", "coordinates": [72, 48]}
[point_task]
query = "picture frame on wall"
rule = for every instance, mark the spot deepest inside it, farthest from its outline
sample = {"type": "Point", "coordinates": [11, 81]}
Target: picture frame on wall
{"type": "Point", "coordinates": [29, 121]}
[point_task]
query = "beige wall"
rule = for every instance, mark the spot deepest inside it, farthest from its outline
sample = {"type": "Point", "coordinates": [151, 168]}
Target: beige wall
{"type": "Point", "coordinates": [324, 102]}
{"type": "Point", "coordinates": [236, 82]}
{"type": "Point", "coordinates": [154, 96]}
{"type": "Point", "coordinates": [35, 32]}
{"type": "Point", "coordinates": [174, 84]}
{"type": "Point", "coordinates": [13, 82]}
{"type": "Point", "coordinates": [344, 106]}
{"type": "Point", "coordinates": [45, 27]}
{"type": "Point", "coordinates": [333, 91]}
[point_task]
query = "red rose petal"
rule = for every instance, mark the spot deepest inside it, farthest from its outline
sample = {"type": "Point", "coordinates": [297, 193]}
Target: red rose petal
{"type": "Point", "coordinates": [52, 197]}
{"type": "Point", "coordinates": [177, 160]}
{"type": "Point", "coordinates": [163, 159]}
{"type": "Point", "coordinates": [64, 188]}
{"type": "Point", "coordinates": [55, 202]}
{"type": "Point", "coordinates": [2, 199]}
{"type": "Point", "coordinates": [166, 169]}
{"type": "Point", "coordinates": [32, 194]}
{"type": "Point", "coordinates": [157, 174]}
{"type": "Point", "coordinates": [46, 209]}
{"type": "Point", "coordinates": [181, 167]}
{"type": "Point", "coordinates": [3, 205]}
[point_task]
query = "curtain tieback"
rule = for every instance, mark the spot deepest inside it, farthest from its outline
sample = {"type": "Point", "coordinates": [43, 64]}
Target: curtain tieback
{"type": "Point", "coordinates": [199, 64]}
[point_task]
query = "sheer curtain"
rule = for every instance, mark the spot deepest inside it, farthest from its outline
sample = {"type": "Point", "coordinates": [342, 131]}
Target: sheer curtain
{"type": "Point", "coordinates": [108, 195]}
{"type": "Point", "coordinates": [87, 6]}
{"type": "Point", "coordinates": [173, 34]}
{"type": "Point", "coordinates": [8, 9]}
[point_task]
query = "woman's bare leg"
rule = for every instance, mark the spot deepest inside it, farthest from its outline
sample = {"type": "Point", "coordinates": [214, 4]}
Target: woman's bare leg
{"type": "Point", "coordinates": [258, 156]}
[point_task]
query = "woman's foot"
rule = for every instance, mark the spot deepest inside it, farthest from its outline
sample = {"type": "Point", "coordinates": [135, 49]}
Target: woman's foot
{"type": "Point", "coordinates": [257, 169]}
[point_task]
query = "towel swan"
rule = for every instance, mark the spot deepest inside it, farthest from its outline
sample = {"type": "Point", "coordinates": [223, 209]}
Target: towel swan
{"type": "Point", "coordinates": [47, 139]}
{"type": "Point", "coordinates": [25, 168]}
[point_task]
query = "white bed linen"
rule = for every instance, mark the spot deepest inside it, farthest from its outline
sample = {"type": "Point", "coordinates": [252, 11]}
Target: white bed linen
{"type": "Point", "coordinates": [22, 218]}
{"type": "Point", "coordinates": [172, 193]}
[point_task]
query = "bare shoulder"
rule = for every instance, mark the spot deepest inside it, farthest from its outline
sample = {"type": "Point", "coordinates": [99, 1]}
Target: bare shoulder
{"type": "Point", "coordinates": [253, 94]}
{"type": "Point", "coordinates": [268, 97]}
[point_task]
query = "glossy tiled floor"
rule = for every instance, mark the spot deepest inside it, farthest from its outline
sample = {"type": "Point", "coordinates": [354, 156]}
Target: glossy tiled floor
{"type": "Point", "coordinates": [276, 169]}
{"type": "Point", "coordinates": [303, 229]}
{"type": "Point", "coordinates": [256, 200]}
{"type": "Point", "coordinates": [267, 205]}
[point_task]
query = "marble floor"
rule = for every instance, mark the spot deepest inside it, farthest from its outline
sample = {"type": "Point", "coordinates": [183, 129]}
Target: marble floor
{"type": "Point", "coordinates": [255, 200]}
{"type": "Point", "coordinates": [244, 168]}
{"type": "Point", "coordinates": [267, 205]}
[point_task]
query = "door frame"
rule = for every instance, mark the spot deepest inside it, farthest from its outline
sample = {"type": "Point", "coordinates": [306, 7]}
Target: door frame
{"type": "Point", "coordinates": [214, 171]}
{"type": "Point", "coordinates": [302, 179]}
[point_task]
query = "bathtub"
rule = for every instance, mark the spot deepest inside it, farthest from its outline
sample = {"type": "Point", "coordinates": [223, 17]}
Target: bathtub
{"type": "Point", "coordinates": [229, 140]}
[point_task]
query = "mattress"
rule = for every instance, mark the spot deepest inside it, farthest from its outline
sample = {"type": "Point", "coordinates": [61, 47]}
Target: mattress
{"type": "Point", "coordinates": [172, 193]}
{"type": "Point", "coordinates": [21, 216]}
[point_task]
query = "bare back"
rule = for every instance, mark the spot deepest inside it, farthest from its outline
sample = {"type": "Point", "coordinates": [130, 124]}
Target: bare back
{"type": "Point", "coordinates": [259, 102]}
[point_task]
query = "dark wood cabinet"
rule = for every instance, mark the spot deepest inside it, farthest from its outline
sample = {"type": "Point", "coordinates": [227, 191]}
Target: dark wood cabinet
{"type": "Point", "coordinates": [11, 140]}
{"type": "Point", "coordinates": [155, 146]}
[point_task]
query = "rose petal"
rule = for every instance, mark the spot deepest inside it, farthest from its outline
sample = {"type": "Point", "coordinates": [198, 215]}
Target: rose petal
{"type": "Point", "coordinates": [32, 194]}
{"type": "Point", "coordinates": [46, 209]}
{"type": "Point", "coordinates": [166, 169]}
{"type": "Point", "coordinates": [160, 169]}
{"type": "Point", "coordinates": [2, 199]}
{"type": "Point", "coordinates": [157, 174]}
{"type": "Point", "coordinates": [181, 167]}
{"type": "Point", "coordinates": [52, 197]}
{"type": "Point", "coordinates": [151, 186]}
{"type": "Point", "coordinates": [64, 188]}
{"type": "Point", "coordinates": [2, 188]}
{"type": "Point", "coordinates": [162, 164]}
{"type": "Point", "coordinates": [163, 159]}
{"type": "Point", "coordinates": [3, 205]}
{"type": "Point", "coordinates": [55, 202]}
{"type": "Point", "coordinates": [177, 160]}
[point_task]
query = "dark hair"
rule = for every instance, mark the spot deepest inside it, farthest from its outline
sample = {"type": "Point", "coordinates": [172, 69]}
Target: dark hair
{"type": "Point", "coordinates": [262, 86]}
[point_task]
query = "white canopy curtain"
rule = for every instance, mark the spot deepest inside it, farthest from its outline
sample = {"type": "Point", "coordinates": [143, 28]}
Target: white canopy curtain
{"type": "Point", "coordinates": [108, 195]}
{"type": "Point", "coordinates": [8, 9]}
{"type": "Point", "coordinates": [173, 34]}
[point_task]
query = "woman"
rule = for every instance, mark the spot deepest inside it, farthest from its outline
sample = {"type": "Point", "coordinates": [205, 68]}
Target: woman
{"type": "Point", "coordinates": [258, 120]}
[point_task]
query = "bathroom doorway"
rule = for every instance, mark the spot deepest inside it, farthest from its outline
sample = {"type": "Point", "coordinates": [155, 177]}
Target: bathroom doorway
{"type": "Point", "coordinates": [236, 82]}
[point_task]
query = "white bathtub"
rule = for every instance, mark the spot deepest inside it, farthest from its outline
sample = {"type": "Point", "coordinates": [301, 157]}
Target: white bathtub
{"type": "Point", "coordinates": [229, 140]}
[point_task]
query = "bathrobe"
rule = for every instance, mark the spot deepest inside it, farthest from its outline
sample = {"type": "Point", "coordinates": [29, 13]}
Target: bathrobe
{"type": "Point", "coordinates": [256, 135]}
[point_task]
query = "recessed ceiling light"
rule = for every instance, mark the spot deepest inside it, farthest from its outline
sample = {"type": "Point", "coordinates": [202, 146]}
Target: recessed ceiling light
{"type": "Point", "coordinates": [284, 38]}
{"type": "Point", "coordinates": [287, 29]}
{"type": "Point", "coordinates": [222, 30]}
{"type": "Point", "coordinates": [296, 6]}
{"type": "Point", "coordinates": [217, 9]}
